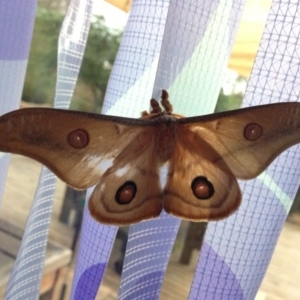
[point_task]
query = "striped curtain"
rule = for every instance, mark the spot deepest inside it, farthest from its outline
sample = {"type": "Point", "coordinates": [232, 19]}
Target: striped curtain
{"type": "Point", "coordinates": [182, 46]}
{"type": "Point", "coordinates": [17, 18]}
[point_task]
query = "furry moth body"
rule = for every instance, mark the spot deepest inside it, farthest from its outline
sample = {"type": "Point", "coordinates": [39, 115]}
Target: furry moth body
{"type": "Point", "coordinates": [122, 156]}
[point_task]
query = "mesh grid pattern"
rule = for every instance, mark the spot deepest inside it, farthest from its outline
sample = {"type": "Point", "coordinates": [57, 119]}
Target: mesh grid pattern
{"type": "Point", "coordinates": [138, 67]}
{"type": "Point", "coordinates": [157, 51]}
{"type": "Point", "coordinates": [184, 34]}
{"type": "Point", "coordinates": [16, 21]}
{"type": "Point", "coordinates": [27, 271]}
{"type": "Point", "coordinates": [94, 250]}
{"type": "Point", "coordinates": [237, 251]}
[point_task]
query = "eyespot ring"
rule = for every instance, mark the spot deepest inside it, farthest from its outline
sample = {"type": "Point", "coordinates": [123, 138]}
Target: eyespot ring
{"type": "Point", "coordinates": [253, 132]}
{"type": "Point", "coordinates": [202, 188]}
{"type": "Point", "coordinates": [78, 138]}
{"type": "Point", "coordinates": [126, 193]}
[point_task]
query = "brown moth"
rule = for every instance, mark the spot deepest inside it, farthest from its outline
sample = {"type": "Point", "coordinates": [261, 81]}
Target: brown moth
{"type": "Point", "coordinates": [123, 156]}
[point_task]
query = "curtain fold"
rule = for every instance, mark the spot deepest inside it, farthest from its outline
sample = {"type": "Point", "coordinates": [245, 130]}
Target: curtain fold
{"type": "Point", "coordinates": [16, 23]}
{"type": "Point", "coordinates": [182, 46]}
{"type": "Point", "coordinates": [25, 279]}
{"type": "Point", "coordinates": [237, 251]}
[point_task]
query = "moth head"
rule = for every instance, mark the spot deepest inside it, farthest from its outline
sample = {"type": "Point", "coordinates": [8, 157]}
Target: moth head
{"type": "Point", "coordinates": [156, 110]}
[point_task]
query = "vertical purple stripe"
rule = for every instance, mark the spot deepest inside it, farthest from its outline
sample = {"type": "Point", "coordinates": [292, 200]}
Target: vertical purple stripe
{"type": "Point", "coordinates": [94, 250]}
{"type": "Point", "coordinates": [150, 243]}
{"type": "Point", "coordinates": [16, 23]}
{"type": "Point", "coordinates": [185, 27]}
{"type": "Point", "coordinates": [220, 282]}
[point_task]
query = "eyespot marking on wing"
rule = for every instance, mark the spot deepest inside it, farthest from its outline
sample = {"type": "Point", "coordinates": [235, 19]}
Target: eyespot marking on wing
{"type": "Point", "coordinates": [253, 132]}
{"type": "Point", "coordinates": [202, 188]}
{"type": "Point", "coordinates": [126, 193]}
{"type": "Point", "coordinates": [78, 138]}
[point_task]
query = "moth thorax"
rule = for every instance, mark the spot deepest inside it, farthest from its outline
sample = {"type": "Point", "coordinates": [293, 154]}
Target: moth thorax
{"type": "Point", "coordinates": [166, 140]}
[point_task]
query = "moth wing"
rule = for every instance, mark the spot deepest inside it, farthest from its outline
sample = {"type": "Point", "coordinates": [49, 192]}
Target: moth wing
{"type": "Point", "coordinates": [136, 169]}
{"type": "Point", "coordinates": [248, 140]}
{"type": "Point", "coordinates": [191, 164]}
{"type": "Point", "coordinates": [78, 147]}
